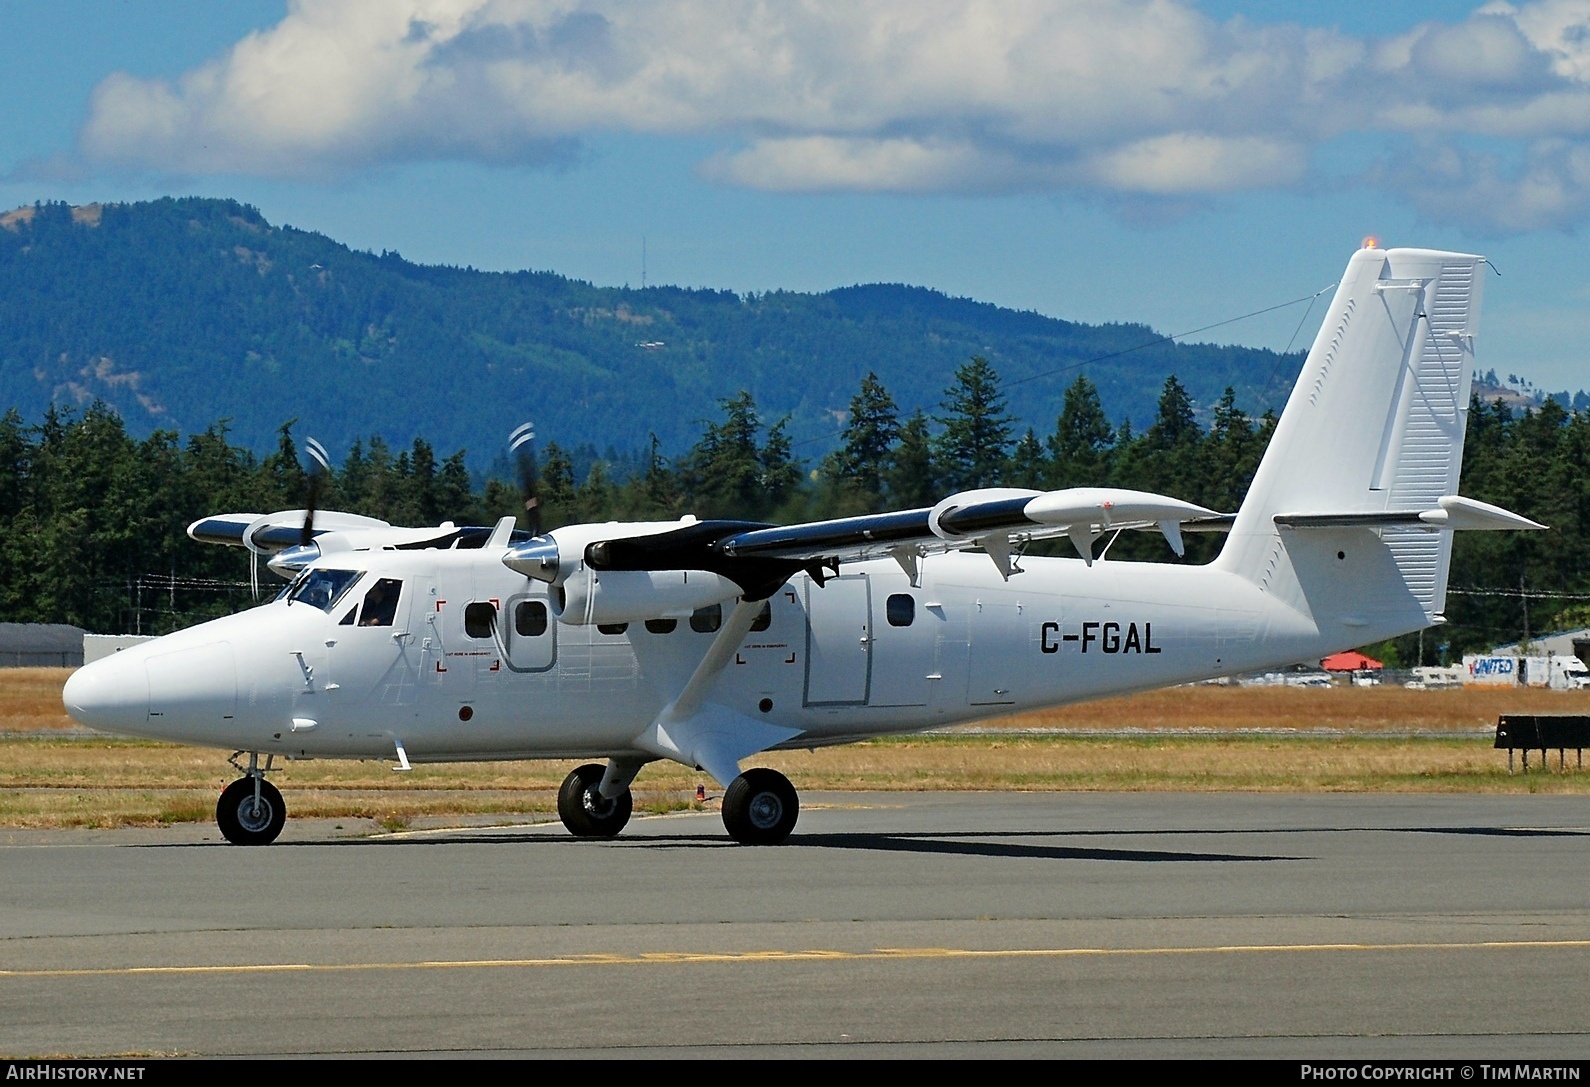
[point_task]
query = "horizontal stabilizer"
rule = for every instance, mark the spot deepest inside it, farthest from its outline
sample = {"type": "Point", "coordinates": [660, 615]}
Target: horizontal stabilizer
{"type": "Point", "coordinates": [1452, 512]}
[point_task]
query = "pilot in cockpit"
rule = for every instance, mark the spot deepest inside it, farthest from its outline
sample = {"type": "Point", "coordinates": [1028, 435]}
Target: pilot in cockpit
{"type": "Point", "coordinates": [376, 611]}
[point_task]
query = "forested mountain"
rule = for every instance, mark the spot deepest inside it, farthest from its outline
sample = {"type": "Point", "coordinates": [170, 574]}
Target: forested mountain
{"type": "Point", "coordinates": [181, 312]}
{"type": "Point", "coordinates": [123, 327]}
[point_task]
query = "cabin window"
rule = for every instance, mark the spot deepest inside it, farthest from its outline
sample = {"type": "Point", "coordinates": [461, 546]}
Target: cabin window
{"type": "Point", "coordinates": [322, 588]}
{"type": "Point", "coordinates": [380, 603]}
{"type": "Point", "coordinates": [530, 619]}
{"type": "Point", "coordinates": [901, 609]}
{"type": "Point", "coordinates": [764, 618]}
{"type": "Point", "coordinates": [661, 626]}
{"type": "Point", "coordinates": [612, 628]}
{"type": "Point", "coordinates": [706, 620]}
{"type": "Point", "coordinates": [479, 618]}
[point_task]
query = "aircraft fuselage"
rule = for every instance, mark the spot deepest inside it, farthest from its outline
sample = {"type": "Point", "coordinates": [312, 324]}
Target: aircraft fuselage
{"type": "Point", "coordinates": [471, 664]}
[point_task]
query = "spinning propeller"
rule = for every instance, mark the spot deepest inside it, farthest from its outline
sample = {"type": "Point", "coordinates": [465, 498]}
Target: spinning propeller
{"type": "Point", "coordinates": [521, 443]}
{"type": "Point", "coordinates": [317, 481]}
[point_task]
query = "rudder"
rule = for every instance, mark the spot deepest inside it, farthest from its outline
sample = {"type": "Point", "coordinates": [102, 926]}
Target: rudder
{"type": "Point", "coordinates": [1371, 437]}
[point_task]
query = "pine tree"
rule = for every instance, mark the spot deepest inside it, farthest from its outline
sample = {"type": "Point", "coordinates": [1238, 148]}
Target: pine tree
{"type": "Point", "coordinates": [423, 498]}
{"type": "Point", "coordinates": [1230, 455]}
{"type": "Point", "coordinates": [1079, 449]}
{"type": "Point", "coordinates": [859, 466]}
{"type": "Point", "coordinates": [1176, 423]}
{"type": "Point", "coordinates": [286, 483]}
{"type": "Point", "coordinates": [912, 477]}
{"type": "Point", "coordinates": [974, 446]}
{"type": "Point", "coordinates": [594, 501]}
{"type": "Point", "coordinates": [730, 475]}
{"type": "Point", "coordinates": [656, 491]}
{"type": "Point", "coordinates": [455, 500]}
{"type": "Point", "coordinates": [1028, 465]}
{"type": "Point", "coordinates": [556, 488]}
{"type": "Point", "coordinates": [781, 472]}
{"type": "Point", "coordinates": [1168, 462]}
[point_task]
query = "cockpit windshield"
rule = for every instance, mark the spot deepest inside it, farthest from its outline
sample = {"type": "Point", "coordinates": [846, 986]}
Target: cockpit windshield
{"type": "Point", "coordinates": [322, 588]}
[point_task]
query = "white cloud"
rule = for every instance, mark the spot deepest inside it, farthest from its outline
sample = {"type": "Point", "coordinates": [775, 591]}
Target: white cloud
{"type": "Point", "coordinates": [1130, 98]}
{"type": "Point", "coordinates": [1551, 187]}
{"type": "Point", "coordinates": [1183, 163]}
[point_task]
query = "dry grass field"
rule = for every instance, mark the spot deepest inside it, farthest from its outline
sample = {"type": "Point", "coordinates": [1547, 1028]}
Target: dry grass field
{"type": "Point", "coordinates": [1202, 738]}
{"type": "Point", "coordinates": [1305, 709]}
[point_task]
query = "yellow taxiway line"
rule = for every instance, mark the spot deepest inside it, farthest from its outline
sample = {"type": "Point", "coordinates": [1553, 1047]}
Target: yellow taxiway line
{"type": "Point", "coordinates": [698, 958]}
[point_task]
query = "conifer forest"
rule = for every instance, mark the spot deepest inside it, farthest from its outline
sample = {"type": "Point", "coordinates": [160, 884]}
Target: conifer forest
{"type": "Point", "coordinates": [93, 519]}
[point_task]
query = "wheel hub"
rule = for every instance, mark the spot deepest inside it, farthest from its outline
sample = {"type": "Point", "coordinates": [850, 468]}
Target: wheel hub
{"type": "Point", "coordinates": [765, 810]}
{"type": "Point", "coordinates": [254, 816]}
{"type": "Point", "coordinates": [596, 805]}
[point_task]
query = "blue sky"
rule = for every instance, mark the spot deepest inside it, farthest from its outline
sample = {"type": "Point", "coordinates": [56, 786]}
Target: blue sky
{"type": "Point", "coordinates": [1174, 163]}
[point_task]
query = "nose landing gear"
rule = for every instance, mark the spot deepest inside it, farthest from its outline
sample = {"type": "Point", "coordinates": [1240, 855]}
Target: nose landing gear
{"type": "Point", "coordinates": [251, 810]}
{"type": "Point", "coordinates": [583, 808]}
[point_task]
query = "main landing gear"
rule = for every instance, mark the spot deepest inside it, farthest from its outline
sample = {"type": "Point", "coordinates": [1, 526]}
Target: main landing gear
{"type": "Point", "coordinates": [759, 808]}
{"type": "Point", "coordinates": [251, 810]}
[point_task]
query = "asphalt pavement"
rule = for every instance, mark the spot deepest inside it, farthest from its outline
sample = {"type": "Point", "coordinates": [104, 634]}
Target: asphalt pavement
{"type": "Point", "coordinates": [914, 924]}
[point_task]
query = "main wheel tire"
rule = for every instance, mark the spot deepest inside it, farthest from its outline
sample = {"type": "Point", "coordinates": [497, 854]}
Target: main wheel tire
{"type": "Point", "coordinates": [760, 807]}
{"type": "Point", "coordinates": [241, 822]}
{"type": "Point", "coordinates": [585, 811]}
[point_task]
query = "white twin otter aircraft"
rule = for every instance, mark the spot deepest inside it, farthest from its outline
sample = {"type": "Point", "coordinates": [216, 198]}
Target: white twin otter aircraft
{"type": "Point", "coordinates": [706, 642]}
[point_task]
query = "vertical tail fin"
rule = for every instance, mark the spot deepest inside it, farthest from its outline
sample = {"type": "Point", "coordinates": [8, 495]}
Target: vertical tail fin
{"type": "Point", "coordinates": [1373, 429]}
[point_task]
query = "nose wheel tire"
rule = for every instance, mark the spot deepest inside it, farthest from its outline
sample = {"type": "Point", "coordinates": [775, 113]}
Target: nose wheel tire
{"type": "Point", "coordinates": [243, 821]}
{"type": "Point", "coordinates": [585, 811]}
{"type": "Point", "coordinates": [760, 807]}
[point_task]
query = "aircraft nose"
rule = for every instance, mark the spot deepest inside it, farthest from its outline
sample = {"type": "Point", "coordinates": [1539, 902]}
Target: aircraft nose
{"type": "Point", "coordinates": [110, 694]}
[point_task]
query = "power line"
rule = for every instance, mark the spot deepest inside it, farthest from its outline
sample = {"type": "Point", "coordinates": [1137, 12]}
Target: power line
{"type": "Point", "coordinates": [1526, 594]}
{"type": "Point", "coordinates": [1009, 384]}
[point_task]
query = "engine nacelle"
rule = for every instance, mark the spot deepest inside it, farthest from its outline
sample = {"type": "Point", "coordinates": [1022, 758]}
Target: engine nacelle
{"type": "Point", "coordinates": [630, 596]}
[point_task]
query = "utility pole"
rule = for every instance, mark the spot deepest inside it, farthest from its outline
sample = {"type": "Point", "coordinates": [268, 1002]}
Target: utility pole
{"type": "Point", "coordinates": [643, 262]}
{"type": "Point", "coordinates": [1523, 598]}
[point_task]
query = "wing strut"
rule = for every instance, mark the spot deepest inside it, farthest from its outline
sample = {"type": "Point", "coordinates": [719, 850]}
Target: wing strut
{"type": "Point", "coordinates": [715, 738]}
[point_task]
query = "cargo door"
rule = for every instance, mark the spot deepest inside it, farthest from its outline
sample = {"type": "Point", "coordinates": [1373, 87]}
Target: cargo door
{"type": "Point", "coordinates": [838, 640]}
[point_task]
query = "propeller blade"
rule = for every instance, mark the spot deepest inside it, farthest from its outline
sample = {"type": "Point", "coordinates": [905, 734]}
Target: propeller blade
{"type": "Point", "coordinates": [521, 443]}
{"type": "Point", "coordinates": [317, 477]}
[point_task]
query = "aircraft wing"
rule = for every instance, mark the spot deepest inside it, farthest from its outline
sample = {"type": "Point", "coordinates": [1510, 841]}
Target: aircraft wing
{"type": "Point", "coordinates": [999, 520]}
{"type": "Point", "coordinates": [998, 515]}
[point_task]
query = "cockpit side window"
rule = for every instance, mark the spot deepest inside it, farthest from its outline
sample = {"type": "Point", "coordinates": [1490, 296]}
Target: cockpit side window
{"type": "Point", "coordinates": [322, 588]}
{"type": "Point", "coordinates": [380, 603]}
